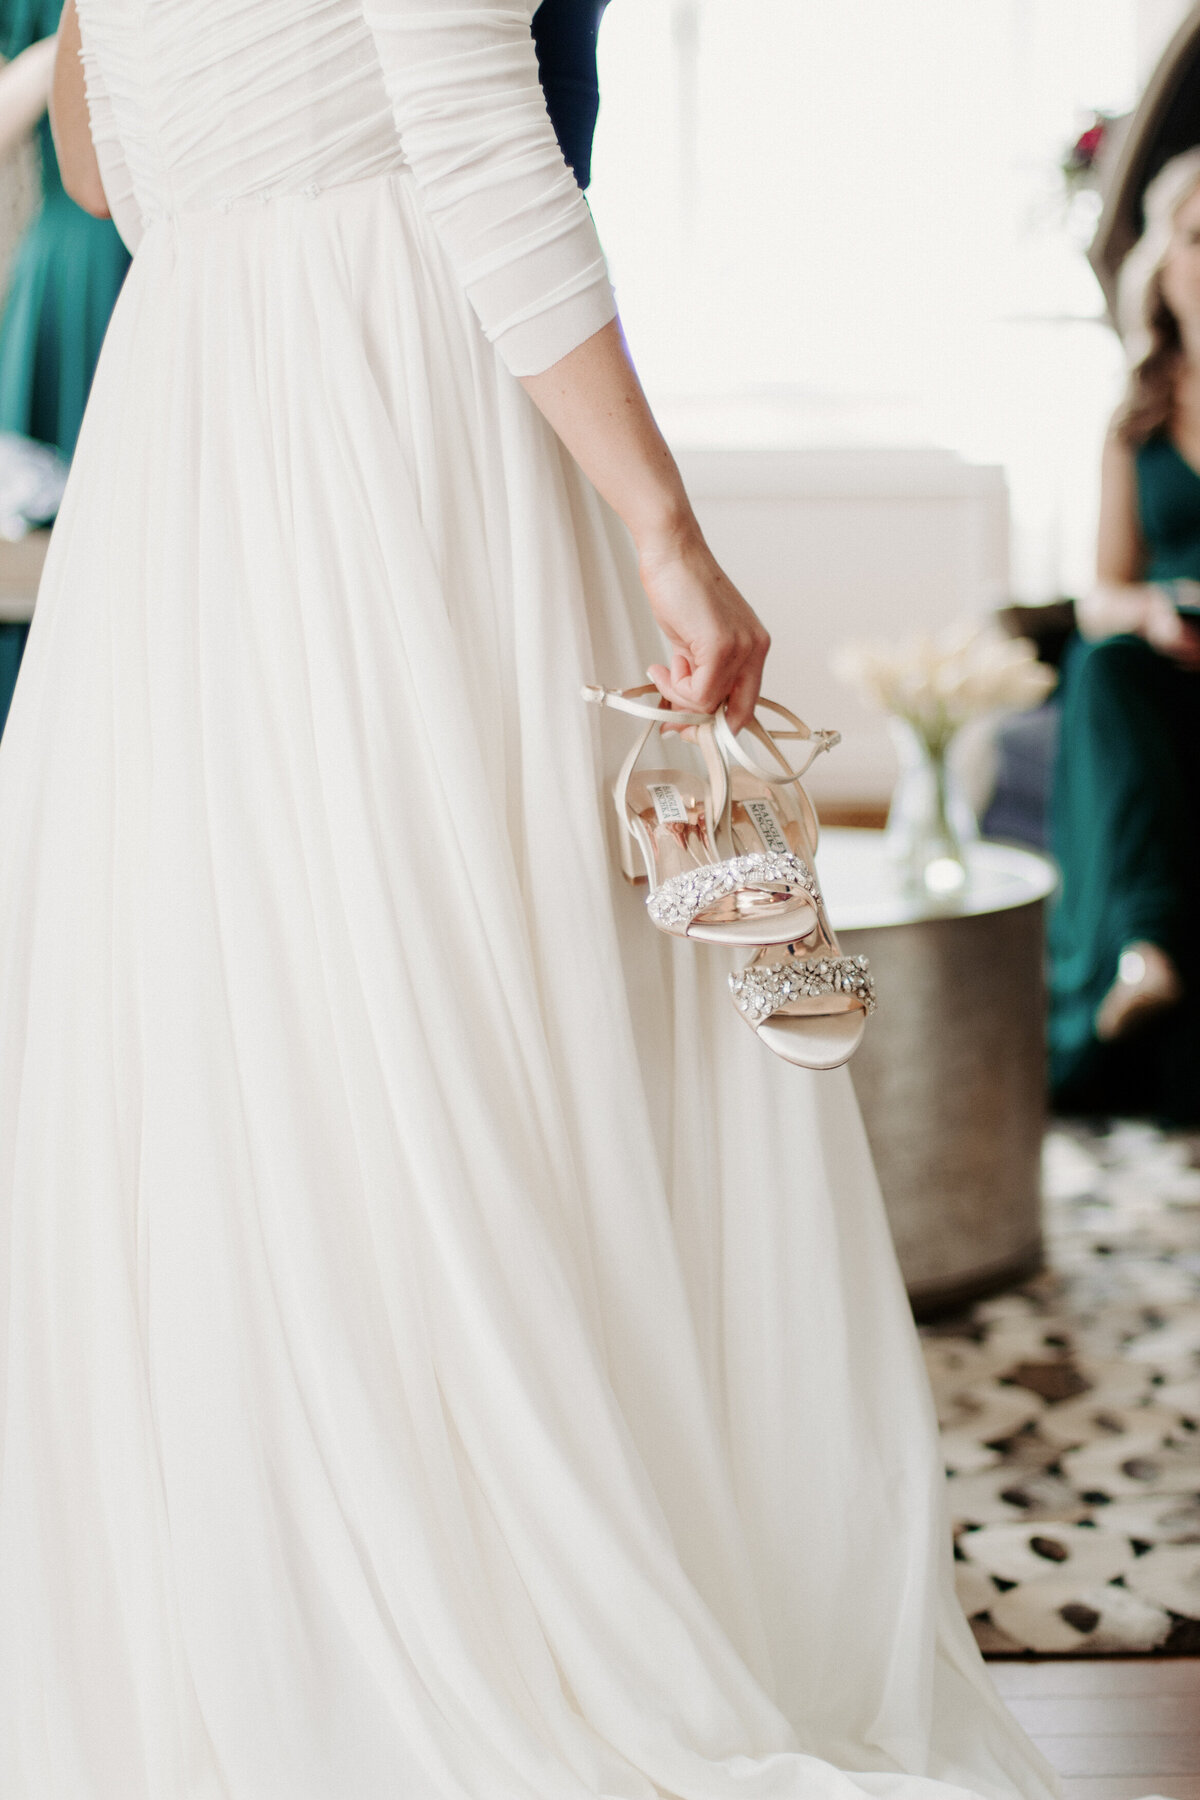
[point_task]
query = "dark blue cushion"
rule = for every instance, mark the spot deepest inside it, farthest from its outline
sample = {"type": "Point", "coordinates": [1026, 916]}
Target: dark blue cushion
{"type": "Point", "coordinates": [1026, 744]}
{"type": "Point", "coordinates": [564, 32]}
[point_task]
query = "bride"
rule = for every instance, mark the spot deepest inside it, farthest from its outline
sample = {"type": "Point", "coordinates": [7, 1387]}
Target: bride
{"type": "Point", "coordinates": [445, 1355]}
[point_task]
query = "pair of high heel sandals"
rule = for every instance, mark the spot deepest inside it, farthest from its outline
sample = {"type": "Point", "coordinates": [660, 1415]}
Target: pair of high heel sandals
{"type": "Point", "coordinates": [728, 855]}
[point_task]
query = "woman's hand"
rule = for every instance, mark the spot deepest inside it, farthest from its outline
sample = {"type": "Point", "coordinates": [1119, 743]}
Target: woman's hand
{"type": "Point", "coordinates": [1140, 609]}
{"type": "Point", "coordinates": [1166, 631]}
{"type": "Point", "coordinates": [718, 642]}
{"type": "Point", "coordinates": [594, 401]}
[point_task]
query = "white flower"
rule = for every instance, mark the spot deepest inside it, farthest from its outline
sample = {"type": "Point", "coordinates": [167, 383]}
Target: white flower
{"type": "Point", "coordinates": [938, 682]}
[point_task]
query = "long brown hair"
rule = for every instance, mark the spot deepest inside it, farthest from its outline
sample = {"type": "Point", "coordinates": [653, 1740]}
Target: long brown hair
{"type": "Point", "coordinates": [1149, 402]}
{"type": "Point", "coordinates": [1149, 328]}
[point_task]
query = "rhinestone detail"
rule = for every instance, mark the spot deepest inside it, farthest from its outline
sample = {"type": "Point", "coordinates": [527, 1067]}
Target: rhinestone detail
{"type": "Point", "coordinates": [681, 898]}
{"type": "Point", "coordinates": [762, 990]}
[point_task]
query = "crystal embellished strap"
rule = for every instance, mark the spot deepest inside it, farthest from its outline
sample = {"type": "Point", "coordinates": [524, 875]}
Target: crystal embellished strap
{"type": "Point", "coordinates": [762, 990]}
{"type": "Point", "coordinates": [681, 898]}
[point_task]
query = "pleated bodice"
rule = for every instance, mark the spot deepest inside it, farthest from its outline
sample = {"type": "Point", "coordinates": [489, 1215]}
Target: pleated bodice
{"type": "Point", "coordinates": [226, 102]}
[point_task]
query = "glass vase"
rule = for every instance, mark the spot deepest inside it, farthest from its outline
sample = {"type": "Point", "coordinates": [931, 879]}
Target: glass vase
{"type": "Point", "coordinates": [930, 821]}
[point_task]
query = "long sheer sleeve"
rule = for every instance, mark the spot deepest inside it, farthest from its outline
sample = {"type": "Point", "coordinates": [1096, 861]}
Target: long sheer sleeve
{"type": "Point", "coordinates": [114, 170]}
{"type": "Point", "coordinates": [462, 78]}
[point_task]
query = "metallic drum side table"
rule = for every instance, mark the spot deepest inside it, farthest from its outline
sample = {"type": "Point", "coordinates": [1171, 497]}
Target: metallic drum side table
{"type": "Point", "coordinates": [20, 573]}
{"type": "Point", "coordinates": [951, 1076]}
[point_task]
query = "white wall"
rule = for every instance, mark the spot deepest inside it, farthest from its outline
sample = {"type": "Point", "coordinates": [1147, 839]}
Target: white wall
{"type": "Point", "coordinates": [852, 216]}
{"type": "Point", "coordinates": [836, 544]}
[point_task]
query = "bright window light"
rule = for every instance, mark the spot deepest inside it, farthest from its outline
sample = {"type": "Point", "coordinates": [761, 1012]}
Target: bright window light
{"type": "Point", "coordinates": [846, 224]}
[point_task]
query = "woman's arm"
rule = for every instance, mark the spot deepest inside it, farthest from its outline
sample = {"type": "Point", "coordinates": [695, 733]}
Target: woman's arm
{"type": "Point", "coordinates": [1121, 602]}
{"type": "Point", "coordinates": [70, 124]}
{"type": "Point", "coordinates": [594, 401]}
{"type": "Point", "coordinates": [462, 77]}
{"type": "Point", "coordinates": [24, 92]}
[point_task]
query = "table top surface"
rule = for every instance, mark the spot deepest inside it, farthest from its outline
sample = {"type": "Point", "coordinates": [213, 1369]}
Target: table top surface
{"type": "Point", "coordinates": [863, 889]}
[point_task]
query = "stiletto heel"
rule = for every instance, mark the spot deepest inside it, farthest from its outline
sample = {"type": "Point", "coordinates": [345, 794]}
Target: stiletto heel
{"type": "Point", "coordinates": [706, 880]}
{"type": "Point", "coordinates": [809, 1004]}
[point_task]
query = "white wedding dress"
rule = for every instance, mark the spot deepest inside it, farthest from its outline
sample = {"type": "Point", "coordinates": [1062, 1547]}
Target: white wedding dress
{"type": "Point", "coordinates": [446, 1357]}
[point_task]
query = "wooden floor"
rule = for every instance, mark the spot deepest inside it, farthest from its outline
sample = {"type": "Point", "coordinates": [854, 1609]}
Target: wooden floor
{"type": "Point", "coordinates": [1114, 1729]}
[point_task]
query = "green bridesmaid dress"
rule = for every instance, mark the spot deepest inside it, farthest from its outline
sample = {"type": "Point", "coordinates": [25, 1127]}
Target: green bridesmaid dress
{"type": "Point", "coordinates": [1126, 833]}
{"type": "Point", "coordinates": [64, 282]}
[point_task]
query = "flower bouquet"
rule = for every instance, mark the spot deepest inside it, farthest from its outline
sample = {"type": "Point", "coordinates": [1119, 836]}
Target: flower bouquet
{"type": "Point", "coordinates": [932, 686]}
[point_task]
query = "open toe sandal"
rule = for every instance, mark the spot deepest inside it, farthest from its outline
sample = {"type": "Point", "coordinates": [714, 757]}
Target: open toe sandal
{"type": "Point", "coordinates": [717, 872]}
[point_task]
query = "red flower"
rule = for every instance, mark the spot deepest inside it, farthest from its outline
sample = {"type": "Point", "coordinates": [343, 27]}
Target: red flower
{"type": "Point", "coordinates": [1090, 142]}
{"type": "Point", "coordinates": [1082, 157]}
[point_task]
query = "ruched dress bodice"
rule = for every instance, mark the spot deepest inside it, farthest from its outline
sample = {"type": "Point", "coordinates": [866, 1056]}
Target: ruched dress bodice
{"type": "Point", "coordinates": [199, 105]}
{"type": "Point", "coordinates": [222, 103]}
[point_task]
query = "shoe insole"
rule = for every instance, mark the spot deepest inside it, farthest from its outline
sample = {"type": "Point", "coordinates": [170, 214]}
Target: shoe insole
{"type": "Point", "coordinates": [816, 1041]}
{"type": "Point", "coordinates": [671, 806]}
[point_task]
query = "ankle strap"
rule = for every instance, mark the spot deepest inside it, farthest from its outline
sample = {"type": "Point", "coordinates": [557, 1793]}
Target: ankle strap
{"type": "Point", "coordinates": [628, 700]}
{"type": "Point", "coordinates": [783, 774]}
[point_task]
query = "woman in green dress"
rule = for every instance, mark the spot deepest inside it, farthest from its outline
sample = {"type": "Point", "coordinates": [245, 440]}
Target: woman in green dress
{"type": "Point", "coordinates": [1125, 936]}
{"type": "Point", "coordinates": [64, 281]}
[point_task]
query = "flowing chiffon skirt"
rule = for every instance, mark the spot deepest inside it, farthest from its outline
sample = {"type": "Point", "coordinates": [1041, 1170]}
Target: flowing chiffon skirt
{"type": "Point", "coordinates": [444, 1355]}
